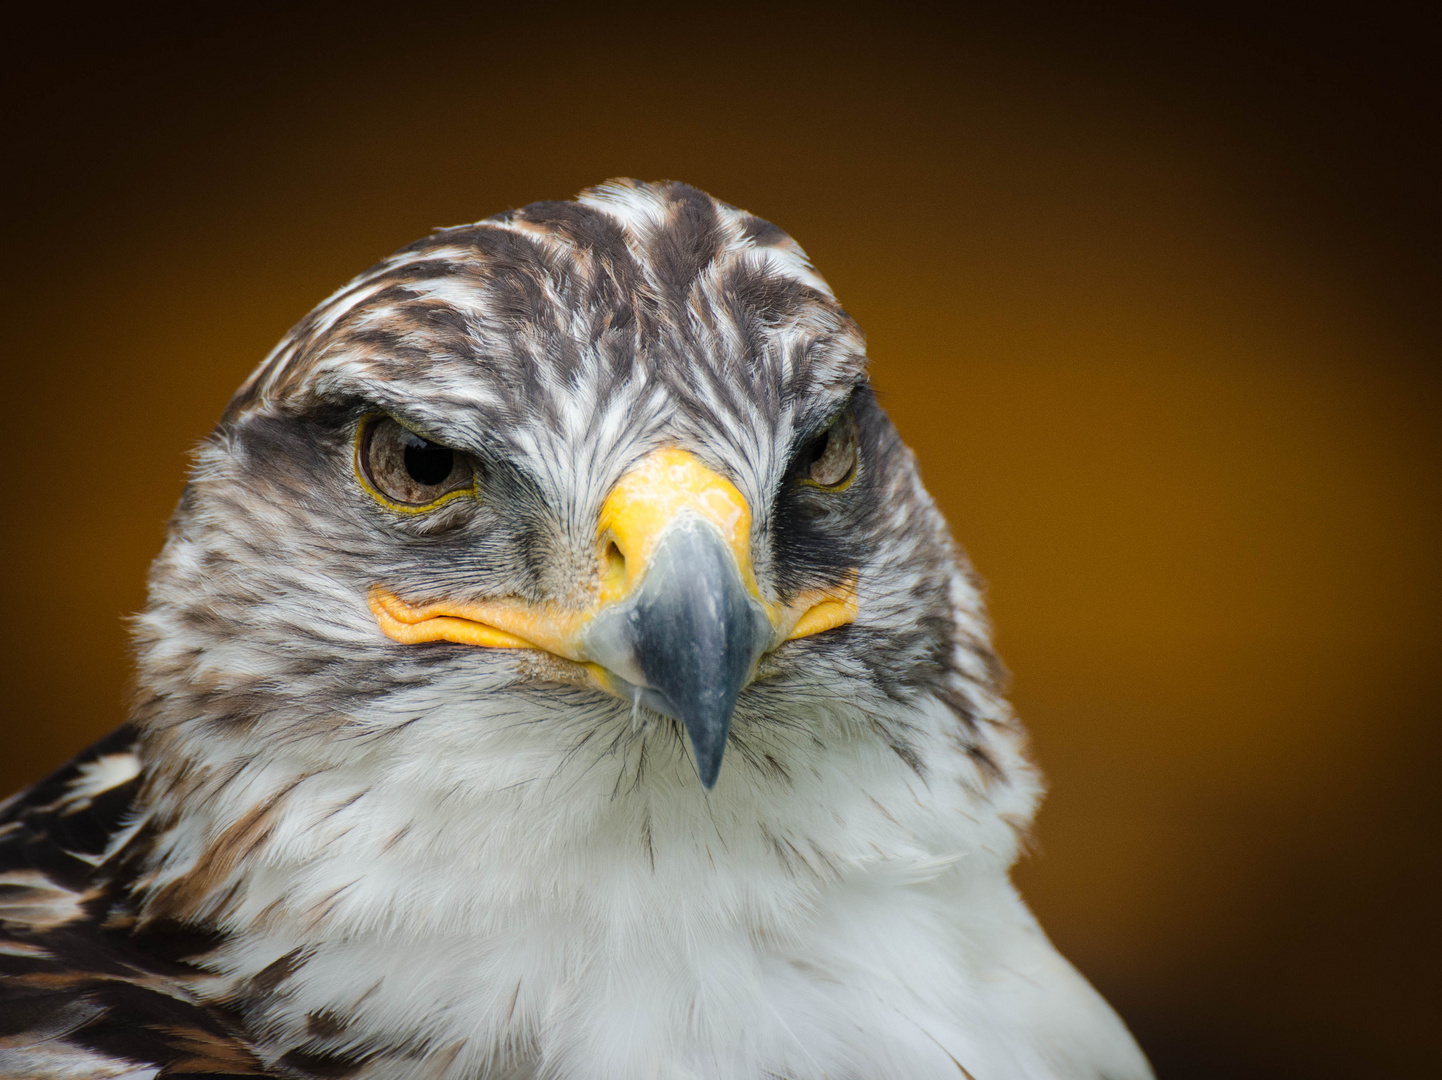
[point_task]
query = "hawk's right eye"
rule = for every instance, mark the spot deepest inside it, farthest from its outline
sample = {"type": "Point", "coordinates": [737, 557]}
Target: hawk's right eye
{"type": "Point", "coordinates": [406, 471]}
{"type": "Point", "coordinates": [829, 460]}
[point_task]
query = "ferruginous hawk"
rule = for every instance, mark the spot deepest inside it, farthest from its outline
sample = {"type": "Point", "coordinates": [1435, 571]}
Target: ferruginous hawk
{"type": "Point", "coordinates": [555, 669]}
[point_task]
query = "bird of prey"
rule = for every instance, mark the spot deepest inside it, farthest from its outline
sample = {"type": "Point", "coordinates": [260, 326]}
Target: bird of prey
{"type": "Point", "coordinates": [555, 669]}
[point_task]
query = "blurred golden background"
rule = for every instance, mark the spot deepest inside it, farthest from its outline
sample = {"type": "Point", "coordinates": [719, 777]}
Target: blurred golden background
{"type": "Point", "coordinates": [1153, 296]}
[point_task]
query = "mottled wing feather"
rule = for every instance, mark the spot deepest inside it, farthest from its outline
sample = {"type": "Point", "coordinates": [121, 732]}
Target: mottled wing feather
{"type": "Point", "coordinates": [84, 992]}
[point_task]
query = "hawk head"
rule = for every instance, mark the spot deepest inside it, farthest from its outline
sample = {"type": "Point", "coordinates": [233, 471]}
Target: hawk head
{"type": "Point", "coordinates": [593, 494]}
{"type": "Point", "coordinates": [555, 667]}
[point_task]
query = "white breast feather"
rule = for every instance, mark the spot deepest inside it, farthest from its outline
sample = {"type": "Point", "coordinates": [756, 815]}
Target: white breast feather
{"type": "Point", "coordinates": [509, 916]}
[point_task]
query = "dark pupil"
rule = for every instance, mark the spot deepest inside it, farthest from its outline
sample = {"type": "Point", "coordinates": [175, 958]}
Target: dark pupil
{"type": "Point", "coordinates": [817, 449]}
{"type": "Point", "coordinates": [426, 462]}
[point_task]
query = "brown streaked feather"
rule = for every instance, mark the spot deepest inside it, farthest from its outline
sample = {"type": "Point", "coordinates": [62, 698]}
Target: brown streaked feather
{"type": "Point", "coordinates": [84, 991]}
{"type": "Point", "coordinates": [192, 896]}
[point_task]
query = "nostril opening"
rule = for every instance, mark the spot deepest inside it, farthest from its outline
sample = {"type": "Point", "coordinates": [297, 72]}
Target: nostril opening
{"type": "Point", "coordinates": [615, 562]}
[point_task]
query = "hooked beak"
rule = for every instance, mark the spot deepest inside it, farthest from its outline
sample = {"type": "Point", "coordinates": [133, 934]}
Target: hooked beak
{"type": "Point", "coordinates": [678, 623]}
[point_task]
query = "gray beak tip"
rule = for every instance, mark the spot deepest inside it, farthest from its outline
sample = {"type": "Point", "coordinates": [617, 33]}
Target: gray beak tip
{"type": "Point", "coordinates": [690, 635]}
{"type": "Point", "coordinates": [709, 752]}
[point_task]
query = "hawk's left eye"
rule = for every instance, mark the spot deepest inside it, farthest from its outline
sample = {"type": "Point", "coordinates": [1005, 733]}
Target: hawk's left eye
{"type": "Point", "coordinates": [407, 471]}
{"type": "Point", "coordinates": [829, 460]}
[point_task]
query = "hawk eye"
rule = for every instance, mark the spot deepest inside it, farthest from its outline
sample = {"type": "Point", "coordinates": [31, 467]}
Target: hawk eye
{"type": "Point", "coordinates": [829, 460]}
{"type": "Point", "coordinates": [406, 471]}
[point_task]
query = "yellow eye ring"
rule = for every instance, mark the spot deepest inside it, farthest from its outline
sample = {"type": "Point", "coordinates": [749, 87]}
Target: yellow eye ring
{"type": "Point", "coordinates": [391, 457]}
{"type": "Point", "coordinates": [834, 489]}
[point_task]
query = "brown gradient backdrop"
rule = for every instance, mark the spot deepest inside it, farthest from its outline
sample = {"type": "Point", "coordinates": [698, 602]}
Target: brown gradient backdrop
{"type": "Point", "coordinates": [1151, 298]}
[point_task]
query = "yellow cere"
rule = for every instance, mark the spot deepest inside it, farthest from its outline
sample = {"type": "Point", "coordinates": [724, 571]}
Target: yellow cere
{"type": "Point", "coordinates": [665, 484]}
